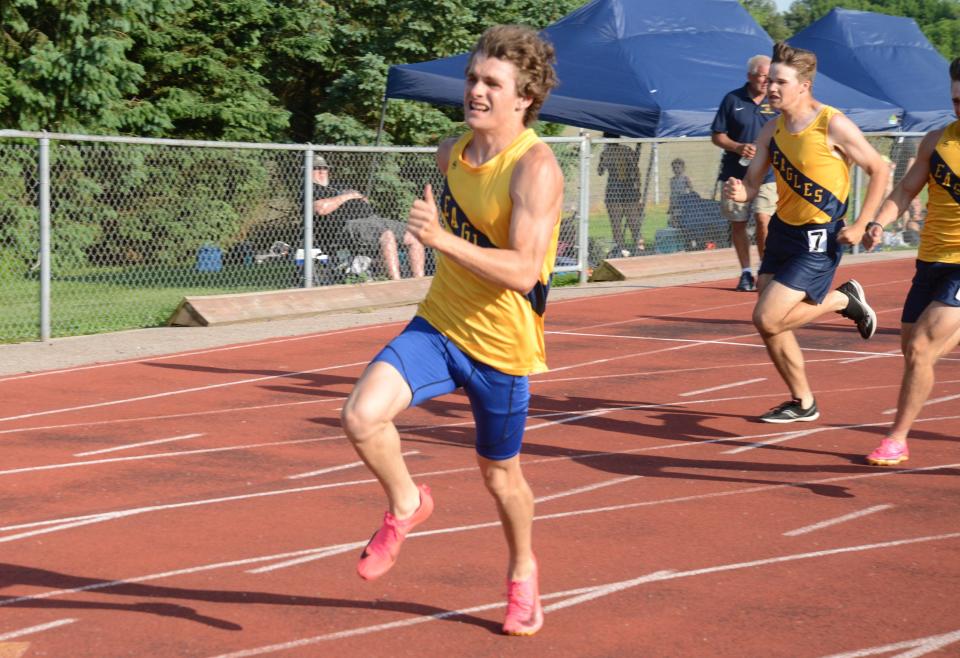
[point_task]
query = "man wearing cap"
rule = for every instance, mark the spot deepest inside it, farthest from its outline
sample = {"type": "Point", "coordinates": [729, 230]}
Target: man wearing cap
{"type": "Point", "coordinates": [349, 217]}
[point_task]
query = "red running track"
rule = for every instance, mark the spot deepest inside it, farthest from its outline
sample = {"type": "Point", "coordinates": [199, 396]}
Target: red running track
{"type": "Point", "coordinates": [206, 504]}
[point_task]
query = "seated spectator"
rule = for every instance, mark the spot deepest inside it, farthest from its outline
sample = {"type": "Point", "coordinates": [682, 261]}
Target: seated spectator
{"type": "Point", "coordinates": [698, 219]}
{"type": "Point", "coordinates": [353, 223]}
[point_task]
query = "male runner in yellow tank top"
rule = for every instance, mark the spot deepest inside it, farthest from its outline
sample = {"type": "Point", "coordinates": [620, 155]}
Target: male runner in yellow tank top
{"type": "Point", "coordinates": [930, 324]}
{"type": "Point", "coordinates": [810, 147]}
{"type": "Point", "coordinates": [481, 324]}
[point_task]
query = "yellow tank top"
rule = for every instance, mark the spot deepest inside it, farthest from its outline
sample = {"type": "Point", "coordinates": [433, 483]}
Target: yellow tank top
{"type": "Point", "coordinates": [813, 181]}
{"type": "Point", "coordinates": [498, 327]}
{"type": "Point", "coordinates": [940, 237]}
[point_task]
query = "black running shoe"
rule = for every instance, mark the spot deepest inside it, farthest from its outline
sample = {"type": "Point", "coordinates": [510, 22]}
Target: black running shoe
{"type": "Point", "coordinates": [746, 284]}
{"type": "Point", "coordinates": [791, 411]}
{"type": "Point", "coordinates": [857, 308]}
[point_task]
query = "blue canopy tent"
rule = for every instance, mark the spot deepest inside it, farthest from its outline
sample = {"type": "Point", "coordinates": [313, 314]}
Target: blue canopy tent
{"type": "Point", "coordinates": [642, 68]}
{"type": "Point", "coordinates": [886, 57]}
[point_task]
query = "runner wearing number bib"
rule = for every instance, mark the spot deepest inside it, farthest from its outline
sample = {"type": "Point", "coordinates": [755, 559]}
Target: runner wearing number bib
{"type": "Point", "coordinates": [930, 324]}
{"type": "Point", "coordinates": [810, 147]}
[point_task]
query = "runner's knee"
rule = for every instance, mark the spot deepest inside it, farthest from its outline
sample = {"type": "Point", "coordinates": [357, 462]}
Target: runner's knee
{"type": "Point", "coordinates": [500, 479]}
{"type": "Point", "coordinates": [361, 419]}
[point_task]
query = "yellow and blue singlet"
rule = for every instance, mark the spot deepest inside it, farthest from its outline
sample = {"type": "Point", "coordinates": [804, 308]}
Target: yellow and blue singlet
{"type": "Point", "coordinates": [940, 237]}
{"type": "Point", "coordinates": [501, 328]}
{"type": "Point", "coordinates": [813, 181]}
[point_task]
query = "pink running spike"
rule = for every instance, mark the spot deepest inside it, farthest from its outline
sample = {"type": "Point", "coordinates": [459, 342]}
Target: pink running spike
{"type": "Point", "coordinates": [890, 452]}
{"type": "Point", "coordinates": [524, 612]}
{"type": "Point", "coordinates": [380, 554]}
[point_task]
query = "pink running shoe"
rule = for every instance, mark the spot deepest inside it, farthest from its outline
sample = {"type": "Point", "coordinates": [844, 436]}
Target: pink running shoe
{"type": "Point", "coordinates": [524, 612]}
{"type": "Point", "coordinates": [380, 554]}
{"type": "Point", "coordinates": [889, 453]}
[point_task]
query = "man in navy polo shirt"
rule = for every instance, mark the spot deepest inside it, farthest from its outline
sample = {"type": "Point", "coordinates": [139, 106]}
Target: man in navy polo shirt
{"type": "Point", "coordinates": [735, 128]}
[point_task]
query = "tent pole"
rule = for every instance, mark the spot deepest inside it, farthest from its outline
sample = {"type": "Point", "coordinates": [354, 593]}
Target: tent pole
{"type": "Point", "coordinates": [383, 115]}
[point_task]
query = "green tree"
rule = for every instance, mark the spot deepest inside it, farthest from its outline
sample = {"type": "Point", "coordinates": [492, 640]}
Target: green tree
{"type": "Point", "coordinates": [371, 35]}
{"type": "Point", "coordinates": [766, 14]}
{"type": "Point", "coordinates": [64, 65]}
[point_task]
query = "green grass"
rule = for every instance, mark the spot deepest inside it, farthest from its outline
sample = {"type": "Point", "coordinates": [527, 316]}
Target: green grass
{"type": "Point", "coordinates": [96, 300]}
{"type": "Point", "coordinates": [654, 219]}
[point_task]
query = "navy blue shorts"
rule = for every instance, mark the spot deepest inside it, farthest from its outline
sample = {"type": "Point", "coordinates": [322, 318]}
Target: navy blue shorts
{"type": "Point", "coordinates": [933, 282]}
{"type": "Point", "coordinates": [803, 257]}
{"type": "Point", "coordinates": [433, 366]}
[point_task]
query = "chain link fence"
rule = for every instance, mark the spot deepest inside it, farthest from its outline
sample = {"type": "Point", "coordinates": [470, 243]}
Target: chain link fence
{"type": "Point", "coordinates": [663, 196]}
{"type": "Point", "coordinates": [101, 234]}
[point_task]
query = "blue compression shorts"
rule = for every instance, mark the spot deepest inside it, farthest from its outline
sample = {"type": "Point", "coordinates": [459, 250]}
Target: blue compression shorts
{"type": "Point", "coordinates": [433, 366]}
{"type": "Point", "coordinates": [933, 282]}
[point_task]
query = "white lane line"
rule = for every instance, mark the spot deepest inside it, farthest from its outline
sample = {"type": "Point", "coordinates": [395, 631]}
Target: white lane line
{"type": "Point", "coordinates": [686, 343]}
{"type": "Point", "coordinates": [787, 436]}
{"type": "Point", "coordinates": [840, 519]}
{"type": "Point", "coordinates": [879, 355]}
{"type": "Point", "coordinates": [413, 621]}
{"type": "Point", "coordinates": [781, 437]}
{"type": "Point", "coordinates": [309, 551]}
{"type": "Point", "coordinates": [604, 590]}
{"type": "Point", "coordinates": [947, 398]}
{"type": "Point", "coordinates": [179, 453]}
{"type": "Point", "coordinates": [673, 371]}
{"type": "Point", "coordinates": [108, 515]}
{"type": "Point", "coordinates": [727, 341]}
{"type": "Point", "coordinates": [212, 350]}
{"type": "Point", "coordinates": [342, 467]}
{"type": "Point", "coordinates": [636, 320]}
{"type": "Point", "coordinates": [35, 629]}
{"type": "Point", "coordinates": [76, 523]}
{"type": "Point", "coordinates": [319, 553]}
{"type": "Point", "coordinates": [533, 380]}
{"type": "Point", "coordinates": [920, 647]}
{"type": "Point", "coordinates": [180, 391]}
{"type": "Point", "coordinates": [140, 419]}
{"type": "Point", "coordinates": [569, 419]}
{"type": "Point", "coordinates": [136, 445]}
{"type": "Point", "coordinates": [585, 489]}
{"type": "Point", "coordinates": [337, 549]}
{"type": "Point", "coordinates": [723, 386]}
{"type": "Point", "coordinates": [582, 595]}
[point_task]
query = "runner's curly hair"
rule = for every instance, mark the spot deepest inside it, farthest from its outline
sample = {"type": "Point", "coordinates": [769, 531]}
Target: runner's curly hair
{"type": "Point", "coordinates": [804, 62]}
{"type": "Point", "coordinates": [533, 56]}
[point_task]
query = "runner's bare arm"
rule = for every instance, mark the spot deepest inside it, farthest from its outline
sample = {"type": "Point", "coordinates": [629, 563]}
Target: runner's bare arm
{"type": "Point", "coordinates": [844, 135]}
{"type": "Point", "coordinates": [537, 194]}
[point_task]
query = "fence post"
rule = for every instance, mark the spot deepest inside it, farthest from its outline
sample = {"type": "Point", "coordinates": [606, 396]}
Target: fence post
{"type": "Point", "coordinates": [44, 203]}
{"type": "Point", "coordinates": [308, 218]}
{"type": "Point", "coordinates": [857, 189]}
{"type": "Point", "coordinates": [656, 173]}
{"type": "Point", "coordinates": [583, 231]}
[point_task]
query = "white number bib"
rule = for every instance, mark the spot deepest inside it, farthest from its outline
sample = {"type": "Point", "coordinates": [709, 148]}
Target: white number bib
{"type": "Point", "coordinates": [817, 240]}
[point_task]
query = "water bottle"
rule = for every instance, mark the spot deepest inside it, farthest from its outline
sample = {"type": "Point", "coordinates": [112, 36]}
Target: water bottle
{"type": "Point", "coordinates": [745, 161]}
